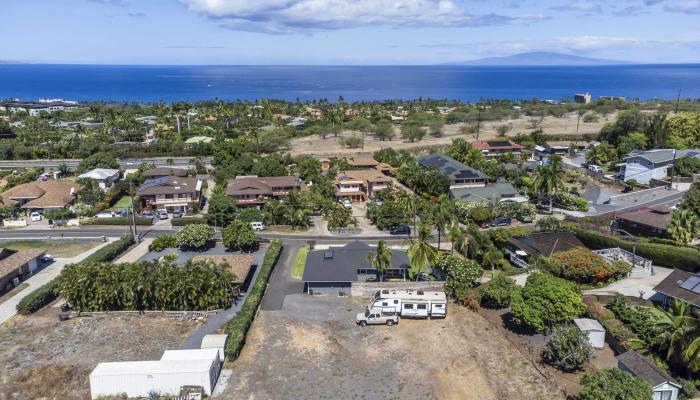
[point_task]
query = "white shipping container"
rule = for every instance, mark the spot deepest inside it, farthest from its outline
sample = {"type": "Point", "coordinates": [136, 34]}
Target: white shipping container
{"type": "Point", "coordinates": [215, 342]}
{"type": "Point", "coordinates": [138, 378]}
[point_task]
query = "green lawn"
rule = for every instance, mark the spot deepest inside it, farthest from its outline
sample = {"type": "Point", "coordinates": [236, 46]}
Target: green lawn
{"type": "Point", "coordinates": [124, 203]}
{"type": "Point", "coordinates": [299, 263]}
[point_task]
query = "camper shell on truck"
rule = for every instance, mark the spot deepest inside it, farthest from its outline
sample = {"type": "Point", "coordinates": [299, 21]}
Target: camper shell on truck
{"type": "Point", "coordinates": [411, 303]}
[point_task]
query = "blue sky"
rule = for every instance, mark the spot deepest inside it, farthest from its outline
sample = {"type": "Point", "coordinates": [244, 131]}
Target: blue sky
{"type": "Point", "coordinates": [343, 31]}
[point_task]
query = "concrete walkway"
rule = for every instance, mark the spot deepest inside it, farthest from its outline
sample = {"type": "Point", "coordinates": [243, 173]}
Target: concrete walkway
{"type": "Point", "coordinates": [642, 286]}
{"type": "Point", "coordinates": [9, 308]}
{"type": "Point", "coordinates": [217, 321]}
{"type": "Point", "coordinates": [136, 253]}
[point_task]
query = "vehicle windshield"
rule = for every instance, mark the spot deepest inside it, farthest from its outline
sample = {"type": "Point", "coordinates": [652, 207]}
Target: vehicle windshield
{"type": "Point", "coordinates": [366, 313]}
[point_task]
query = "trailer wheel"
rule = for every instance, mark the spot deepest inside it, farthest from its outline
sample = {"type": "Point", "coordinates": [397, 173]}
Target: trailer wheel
{"type": "Point", "coordinates": [389, 323]}
{"type": "Point", "coordinates": [363, 323]}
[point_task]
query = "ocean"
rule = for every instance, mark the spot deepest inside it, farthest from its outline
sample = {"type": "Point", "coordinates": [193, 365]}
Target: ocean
{"type": "Point", "coordinates": [353, 83]}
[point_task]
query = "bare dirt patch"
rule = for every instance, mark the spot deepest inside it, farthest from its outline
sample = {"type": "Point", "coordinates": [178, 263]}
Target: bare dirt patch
{"type": "Point", "coordinates": [303, 351]}
{"type": "Point", "coordinates": [42, 357]}
{"type": "Point", "coordinates": [331, 146]}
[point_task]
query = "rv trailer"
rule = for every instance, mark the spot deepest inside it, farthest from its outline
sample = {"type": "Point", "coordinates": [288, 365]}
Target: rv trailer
{"type": "Point", "coordinates": [411, 303]}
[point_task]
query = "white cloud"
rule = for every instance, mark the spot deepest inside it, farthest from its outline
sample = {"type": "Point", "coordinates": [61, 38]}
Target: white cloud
{"type": "Point", "coordinates": [284, 16]}
{"type": "Point", "coordinates": [686, 6]}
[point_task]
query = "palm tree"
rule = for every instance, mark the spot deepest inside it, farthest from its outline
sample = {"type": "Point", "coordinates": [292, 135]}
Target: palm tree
{"type": "Point", "coordinates": [407, 203]}
{"type": "Point", "coordinates": [380, 259]}
{"type": "Point", "coordinates": [684, 226]}
{"type": "Point", "coordinates": [549, 179]}
{"type": "Point", "coordinates": [443, 215]}
{"type": "Point", "coordinates": [420, 252]}
{"type": "Point", "coordinates": [459, 238]}
{"type": "Point", "coordinates": [680, 335]}
{"type": "Point", "coordinates": [491, 258]}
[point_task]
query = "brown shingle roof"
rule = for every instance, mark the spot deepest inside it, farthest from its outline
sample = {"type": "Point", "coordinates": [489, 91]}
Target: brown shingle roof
{"type": "Point", "coordinates": [239, 263]}
{"type": "Point", "coordinates": [671, 286]}
{"type": "Point", "coordinates": [42, 194]}
{"type": "Point", "coordinates": [365, 175]}
{"type": "Point", "coordinates": [363, 162]}
{"type": "Point", "coordinates": [262, 185]}
{"type": "Point", "coordinates": [546, 243]}
{"type": "Point", "coordinates": [161, 171]}
{"type": "Point", "coordinates": [651, 218]}
{"type": "Point", "coordinates": [16, 259]}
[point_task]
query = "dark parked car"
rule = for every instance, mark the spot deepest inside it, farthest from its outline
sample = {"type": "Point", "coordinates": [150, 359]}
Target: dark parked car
{"type": "Point", "coordinates": [501, 221]}
{"type": "Point", "coordinates": [400, 230]}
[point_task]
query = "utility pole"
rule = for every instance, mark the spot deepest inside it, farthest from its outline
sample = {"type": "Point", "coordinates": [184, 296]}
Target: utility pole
{"type": "Point", "coordinates": [478, 123]}
{"type": "Point", "coordinates": [678, 100]}
{"type": "Point", "coordinates": [673, 167]}
{"type": "Point", "coordinates": [133, 214]}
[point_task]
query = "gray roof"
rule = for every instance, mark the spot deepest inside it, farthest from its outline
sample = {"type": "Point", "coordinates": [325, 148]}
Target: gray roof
{"type": "Point", "coordinates": [494, 191]}
{"type": "Point", "coordinates": [100, 173]}
{"type": "Point", "coordinates": [663, 155]}
{"type": "Point", "coordinates": [343, 262]}
{"type": "Point", "coordinates": [681, 285]}
{"type": "Point", "coordinates": [451, 167]}
{"type": "Point", "coordinates": [644, 368]}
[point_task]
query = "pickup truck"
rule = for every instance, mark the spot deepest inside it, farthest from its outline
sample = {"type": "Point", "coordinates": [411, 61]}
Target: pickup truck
{"type": "Point", "coordinates": [376, 316]}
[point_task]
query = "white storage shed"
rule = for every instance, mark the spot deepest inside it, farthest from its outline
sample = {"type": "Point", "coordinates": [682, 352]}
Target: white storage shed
{"type": "Point", "coordinates": [594, 330]}
{"type": "Point", "coordinates": [138, 378]}
{"type": "Point", "coordinates": [215, 342]}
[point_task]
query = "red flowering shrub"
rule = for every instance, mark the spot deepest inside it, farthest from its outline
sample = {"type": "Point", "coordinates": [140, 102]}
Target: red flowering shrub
{"type": "Point", "coordinates": [583, 266]}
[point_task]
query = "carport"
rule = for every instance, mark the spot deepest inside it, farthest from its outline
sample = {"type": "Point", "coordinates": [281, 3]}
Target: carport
{"type": "Point", "coordinates": [328, 288]}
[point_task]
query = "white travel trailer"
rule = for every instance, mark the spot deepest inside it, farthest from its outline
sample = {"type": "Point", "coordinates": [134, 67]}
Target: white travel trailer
{"type": "Point", "coordinates": [411, 303]}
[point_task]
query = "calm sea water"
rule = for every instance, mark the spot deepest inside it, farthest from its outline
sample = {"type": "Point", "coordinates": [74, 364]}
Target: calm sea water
{"type": "Point", "coordinates": [468, 83]}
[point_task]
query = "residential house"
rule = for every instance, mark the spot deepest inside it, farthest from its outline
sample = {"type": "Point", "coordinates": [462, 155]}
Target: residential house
{"type": "Point", "coordinates": [492, 192]}
{"type": "Point", "coordinates": [582, 98]}
{"type": "Point", "coordinates": [649, 222]}
{"type": "Point", "coordinates": [160, 172]}
{"type": "Point", "coordinates": [194, 140]}
{"type": "Point", "coordinates": [105, 177]}
{"type": "Point", "coordinates": [458, 174]}
{"type": "Point", "coordinates": [16, 266]}
{"type": "Point", "coordinates": [298, 123]}
{"type": "Point", "coordinates": [644, 166]}
{"type": "Point", "coordinates": [370, 163]}
{"type": "Point", "coordinates": [254, 191]}
{"type": "Point", "coordinates": [334, 270]}
{"type": "Point", "coordinates": [664, 387]}
{"type": "Point", "coordinates": [680, 285]}
{"type": "Point", "coordinates": [524, 250]}
{"type": "Point", "coordinates": [494, 148]}
{"type": "Point", "coordinates": [563, 147]}
{"type": "Point", "coordinates": [360, 185]}
{"type": "Point", "coordinates": [40, 195]}
{"type": "Point", "coordinates": [35, 108]}
{"type": "Point", "coordinates": [170, 193]}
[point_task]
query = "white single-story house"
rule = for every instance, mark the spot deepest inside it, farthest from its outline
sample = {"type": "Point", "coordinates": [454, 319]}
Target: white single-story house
{"type": "Point", "coordinates": [594, 330]}
{"type": "Point", "coordinates": [105, 177]}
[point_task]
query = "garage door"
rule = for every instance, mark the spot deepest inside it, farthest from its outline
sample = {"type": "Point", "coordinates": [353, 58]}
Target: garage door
{"type": "Point", "coordinates": [329, 288]}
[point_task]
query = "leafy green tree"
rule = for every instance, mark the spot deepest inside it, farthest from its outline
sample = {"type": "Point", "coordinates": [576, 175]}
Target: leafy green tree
{"type": "Point", "coordinates": [631, 141]}
{"type": "Point", "coordinates": [603, 154]}
{"type": "Point", "coordinates": [546, 301]}
{"type": "Point", "coordinates": [384, 130]}
{"type": "Point", "coordinates": [420, 252]}
{"type": "Point", "coordinates": [90, 192]}
{"type": "Point", "coordinates": [251, 214]}
{"type": "Point", "coordinates": [98, 160]}
{"type": "Point", "coordinates": [491, 258]}
{"type": "Point", "coordinates": [614, 384]}
{"type": "Point", "coordinates": [568, 348]}
{"type": "Point", "coordinates": [412, 133]}
{"type": "Point", "coordinates": [687, 166]}
{"type": "Point", "coordinates": [503, 129]}
{"type": "Point", "coordinates": [161, 243]}
{"type": "Point", "coordinates": [462, 274]}
{"type": "Point", "coordinates": [684, 226]}
{"type": "Point", "coordinates": [497, 292]}
{"type": "Point", "coordinates": [222, 210]}
{"type": "Point", "coordinates": [195, 236]}
{"type": "Point", "coordinates": [240, 235]}
{"type": "Point", "coordinates": [338, 217]}
{"type": "Point", "coordinates": [380, 258]}
{"type": "Point", "coordinates": [685, 126]}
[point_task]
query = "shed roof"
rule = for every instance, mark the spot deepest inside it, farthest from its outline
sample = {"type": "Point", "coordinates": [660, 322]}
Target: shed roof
{"type": "Point", "coordinates": [151, 367]}
{"type": "Point", "coordinates": [190, 354]}
{"type": "Point", "coordinates": [214, 341]}
{"type": "Point", "coordinates": [644, 368]}
{"type": "Point", "coordinates": [588, 324]}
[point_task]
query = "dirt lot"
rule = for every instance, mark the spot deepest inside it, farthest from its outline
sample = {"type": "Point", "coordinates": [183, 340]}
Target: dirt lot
{"type": "Point", "coordinates": [44, 358]}
{"type": "Point", "coordinates": [313, 349]}
{"type": "Point", "coordinates": [550, 125]}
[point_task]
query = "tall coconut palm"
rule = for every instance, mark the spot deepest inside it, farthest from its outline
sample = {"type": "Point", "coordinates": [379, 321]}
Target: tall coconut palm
{"type": "Point", "coordinates": [407, 203]}
{"type": "Point", "coordinates": [680, 336]}
{"type": "Point", "coordinates": [380, 259]}
{"type": "Point", "coordinates": [443, 215]}
{"type": "Point", "coordinates": [421, 253]}
{"type": "Point", "coordinates": [491, 258]}
{"type": "Point", "coordinates": [684, 226]}
{"type": "Point", "coordinates": [549, 179]}
{"type": "Point", "coordinates": [459, 238]}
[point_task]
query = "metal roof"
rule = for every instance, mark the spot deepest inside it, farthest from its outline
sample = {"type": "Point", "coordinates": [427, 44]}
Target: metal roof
{"type": "Point", "coordinates": [345, 261]}
{"type": "Point", "coordinates": [151, 367]}
{"type": "Point", "coordinates": [588, 324]}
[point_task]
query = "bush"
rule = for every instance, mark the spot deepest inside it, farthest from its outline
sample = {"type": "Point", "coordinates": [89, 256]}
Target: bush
{"type": "Point", "coordinates": [614, 384]}
{"type": "Point", "coordinates": [462, 274]}
{"type": "Point", "coordinates": [660, 254]}
{"type": "Point", "coordinates": [240, 235]}
{"type": "Point", "coordinates": [583, 266]}
{"type": "Point", "coordinates": [195, 236]}
{"type": "Point", "coordinates": [188, 221]}
{"type": "Point", "coordinates": [638, 318]}
{"type": "Point", "coordinates": [567, 349]}
{"type": "Point", "coordinates": [497, 292]}
{"type": "Point", "coordinates": [47, 293]}
{"type": "Point", "coordinates": [37, 299]}
{"type": "Point", "coordinates": [163, 242]}
{"type": "Point", "coordinates": [623, 336]}
{"type": "Point", "coordinates": [238, 326]}
{"type": "Point", "coordinates": [546, 301]}
{"type": "Point", "coordinates": [146, 221]}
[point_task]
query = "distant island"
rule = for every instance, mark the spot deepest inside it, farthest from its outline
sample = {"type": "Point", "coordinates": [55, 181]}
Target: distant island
{"type": "Point", "coordinates": [540, 58]}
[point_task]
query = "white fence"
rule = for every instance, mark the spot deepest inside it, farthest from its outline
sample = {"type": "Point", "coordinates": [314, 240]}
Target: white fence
{"type": "Point", "coordinates": [14, 223]}
{"type": "Point", "coordinates": [367, 289]}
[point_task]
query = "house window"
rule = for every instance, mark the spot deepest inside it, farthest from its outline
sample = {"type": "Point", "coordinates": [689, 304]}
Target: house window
{"type": "Point", "coordinates": [663, 395]}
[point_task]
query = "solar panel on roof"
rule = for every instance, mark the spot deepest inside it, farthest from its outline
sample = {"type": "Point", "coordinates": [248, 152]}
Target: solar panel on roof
{"type": "Point", "coordinates": [691, 284]}
{"type": "Point", "coordinates": [449, 170]}
{"type": "Point", "coordinates": [500, 143]}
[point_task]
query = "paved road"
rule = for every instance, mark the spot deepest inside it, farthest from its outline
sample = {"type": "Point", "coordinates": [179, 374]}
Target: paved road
{"type": "Point", "coordinates": [9, 308]}
{"type": "Point", "coordinates": [671, 199]}
{"type": "Point", "coordinates": [125, 163]}
{"type": "Point", "coordinates": [217, 321]}
{"type": "Point", "coordinates": [281, 284]}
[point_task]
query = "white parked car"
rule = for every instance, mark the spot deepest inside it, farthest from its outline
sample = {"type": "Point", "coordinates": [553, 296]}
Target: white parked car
{"type": "Point", "coordinates": [35, 216]}
{"type": "Point", "coordinates": [595, 168]}
{"type": "Point", "coordinates": [46, 258]}
{"type": "Point", "coordinates": [257, 226]}
{"type": "Point", "coordinates": [346, 203]}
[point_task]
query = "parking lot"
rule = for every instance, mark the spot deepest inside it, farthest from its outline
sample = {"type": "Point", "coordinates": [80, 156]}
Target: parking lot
{"type": "Point", "coordinates": [311, 348]}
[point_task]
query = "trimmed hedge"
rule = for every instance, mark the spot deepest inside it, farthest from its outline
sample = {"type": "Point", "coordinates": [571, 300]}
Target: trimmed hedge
{"type": "Point", "coordinates": [660, 254]}
{"type": "Point", "coordinates": [46, 294]}
{"type": "Point", "coordinates": [237, 328]}
{"type": "Point", "coordinates": [117, 221]}
{"type": "Point", "coordinates": [187, 221]}
{"type": "Point", "coordinates": [37, 299]}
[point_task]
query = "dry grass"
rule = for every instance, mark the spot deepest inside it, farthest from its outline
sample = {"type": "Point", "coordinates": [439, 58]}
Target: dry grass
{"type": "Point", "coordinates": [58, 250]}
{"type": "Point", "coordinates": [45, 358]}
